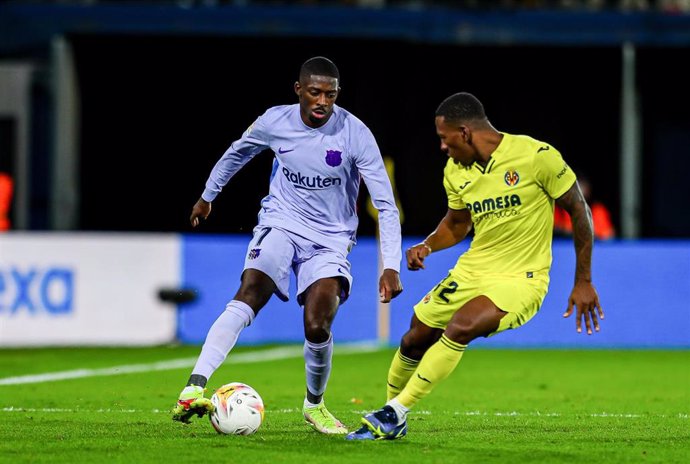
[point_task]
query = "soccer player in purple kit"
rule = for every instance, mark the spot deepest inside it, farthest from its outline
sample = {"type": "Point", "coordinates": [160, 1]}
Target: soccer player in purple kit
{"type": "Point", "coordinates": [307, 224]}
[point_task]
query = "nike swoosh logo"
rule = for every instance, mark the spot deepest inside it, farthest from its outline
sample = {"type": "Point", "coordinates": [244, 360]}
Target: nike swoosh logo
{"type": "Point", "coordinates": [393, 386]}
{"type": "Point", "coordinates": [281, 151]}
{"type": "Point", "coordinates": [465, 184]}
{"type": "Point", "coordinates": [543, 149]}
{"type": "Point", "coordinates": [422, 378]}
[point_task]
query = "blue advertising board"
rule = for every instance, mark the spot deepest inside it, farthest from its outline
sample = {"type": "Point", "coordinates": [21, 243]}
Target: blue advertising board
{"type": "Point", "coordinates": [644, 288]}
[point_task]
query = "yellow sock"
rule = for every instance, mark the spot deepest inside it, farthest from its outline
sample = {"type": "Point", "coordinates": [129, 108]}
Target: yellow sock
{"type": "Point", "coordinates": [436, 365]}
{"type": "Point", "coordinates": [399, 373]}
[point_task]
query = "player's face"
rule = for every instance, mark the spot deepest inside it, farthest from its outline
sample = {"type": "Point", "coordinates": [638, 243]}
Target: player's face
{"type": "Point", "coordinates": [317, 96]}
{"type": "Point", "coordinates": [454, 141]}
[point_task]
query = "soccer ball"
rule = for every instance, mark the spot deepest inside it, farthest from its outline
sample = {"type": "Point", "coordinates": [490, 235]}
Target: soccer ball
{"type": "Point", "coordinates": [239, 409]}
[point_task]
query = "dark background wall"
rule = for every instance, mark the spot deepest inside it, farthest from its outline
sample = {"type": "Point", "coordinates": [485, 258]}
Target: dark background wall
{"type": "Point", "coordinates": [164, 89]}
{"type": "Point", "coordinates": [158, 112]}
{"type": "Point", "coordinates": [664, 87]}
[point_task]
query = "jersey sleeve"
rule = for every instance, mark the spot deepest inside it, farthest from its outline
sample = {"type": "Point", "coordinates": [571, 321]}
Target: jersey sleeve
{"type": "Point", "coordinates": [455, 200]}
{"type": "Point", "coordinates": [253, 141]}
{"type": "Point", "coordinates": [370, 165]}
{"type": "Point", "coordinates": [552, 172]}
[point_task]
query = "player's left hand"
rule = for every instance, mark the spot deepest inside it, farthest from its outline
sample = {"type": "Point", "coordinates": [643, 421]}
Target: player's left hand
{"type": "Point", "coordinates": [585, 298]}
{"type": "Point", "coordinates": [389, 285]}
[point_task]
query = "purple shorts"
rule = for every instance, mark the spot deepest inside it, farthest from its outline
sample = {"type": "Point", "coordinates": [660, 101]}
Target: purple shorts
{"type": "Point", "coordinates": [275, 252]}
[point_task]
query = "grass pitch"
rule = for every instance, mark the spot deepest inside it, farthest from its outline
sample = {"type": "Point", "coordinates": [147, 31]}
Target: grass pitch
{"type": "Point", "coordinates": [507, 406]}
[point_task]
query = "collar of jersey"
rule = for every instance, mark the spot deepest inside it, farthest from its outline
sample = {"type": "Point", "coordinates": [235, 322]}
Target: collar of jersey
{"type": "Point", "coordinates": [502, 147]}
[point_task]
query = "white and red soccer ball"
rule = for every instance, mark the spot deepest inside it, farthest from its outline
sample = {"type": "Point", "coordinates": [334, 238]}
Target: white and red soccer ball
{"type": "Point", "coordinates": [239, 409]}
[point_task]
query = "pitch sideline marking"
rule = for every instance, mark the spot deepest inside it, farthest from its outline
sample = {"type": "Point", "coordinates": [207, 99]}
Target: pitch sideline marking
{"type": "Point", "coordinates": [272, 354]}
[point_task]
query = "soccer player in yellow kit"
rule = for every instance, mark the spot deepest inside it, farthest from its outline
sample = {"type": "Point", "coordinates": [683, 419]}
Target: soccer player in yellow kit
{"type": "Point", "coordinates": [505, 186]}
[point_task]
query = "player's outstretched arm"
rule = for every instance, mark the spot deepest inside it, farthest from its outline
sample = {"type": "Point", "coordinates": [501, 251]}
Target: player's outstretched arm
{"type": "Point", "coordinates": [584, 296]}
{"type": "Point", "coordinates": [389, 285]}
{"type": "Point", "coordinates": [201, 209]}
{"type": "Point", "coordinates": [452, 229]}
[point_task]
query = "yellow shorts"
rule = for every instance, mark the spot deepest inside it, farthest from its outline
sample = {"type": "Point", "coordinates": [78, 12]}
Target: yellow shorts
{"type": "Point", "coordinates": [520, 297]}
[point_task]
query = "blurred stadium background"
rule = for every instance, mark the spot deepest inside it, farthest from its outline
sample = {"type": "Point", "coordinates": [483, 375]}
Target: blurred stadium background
{"type": "Point", "coordinates": [112, 113]}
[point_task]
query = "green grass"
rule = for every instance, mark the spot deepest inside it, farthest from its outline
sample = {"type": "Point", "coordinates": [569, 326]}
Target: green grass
{"type": "Point", "coordinates": [507, 406]}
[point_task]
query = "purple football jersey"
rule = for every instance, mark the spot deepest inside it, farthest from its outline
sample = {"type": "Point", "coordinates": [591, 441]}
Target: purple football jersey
{"type": "Point", "coordinates": [315, 178]}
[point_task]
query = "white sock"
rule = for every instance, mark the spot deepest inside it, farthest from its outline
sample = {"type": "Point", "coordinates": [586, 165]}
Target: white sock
{"type": "Point", "coordinates": [309, 404]}
{"type": "Point", "coordinates": [400, 410]}
{"type": "Point", "coordinates": [317, 361]}
{"type": "Point", "coordinates": [222, 336]}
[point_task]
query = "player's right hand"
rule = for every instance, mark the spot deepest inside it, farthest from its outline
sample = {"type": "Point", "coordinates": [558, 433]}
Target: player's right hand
{"type": "Point", "coordinates": [415, 256]}
{"type": "Point", "coordinates": [201, 209]}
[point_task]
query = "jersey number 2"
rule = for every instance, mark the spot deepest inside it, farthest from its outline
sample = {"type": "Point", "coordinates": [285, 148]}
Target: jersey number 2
{"type": "Point", "coordinates": [451, 288]}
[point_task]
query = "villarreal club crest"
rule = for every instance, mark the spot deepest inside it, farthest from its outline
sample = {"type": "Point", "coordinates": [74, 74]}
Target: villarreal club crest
{"type": "Point", "coordinates": [512, 178]}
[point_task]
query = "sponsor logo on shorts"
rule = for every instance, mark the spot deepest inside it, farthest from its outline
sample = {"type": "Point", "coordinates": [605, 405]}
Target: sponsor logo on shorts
{"type": "Point", "coordinates": [427, 298]}
{"type": "Point", "coordinates": [254, 253]}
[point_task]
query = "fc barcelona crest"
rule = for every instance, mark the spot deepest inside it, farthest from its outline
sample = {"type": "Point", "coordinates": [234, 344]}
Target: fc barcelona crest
{"type": "Point", "coordinates": [334, 157]}
{"type": "Point", "coordinates": [254, 253]}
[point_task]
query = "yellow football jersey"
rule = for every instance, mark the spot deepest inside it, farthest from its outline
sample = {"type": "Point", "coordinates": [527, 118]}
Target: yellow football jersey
{"type": "Point", "coordinates": [511, 201]}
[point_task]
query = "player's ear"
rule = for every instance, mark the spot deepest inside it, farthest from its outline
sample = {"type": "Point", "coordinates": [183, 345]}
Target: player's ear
{"type": "Point", "coordinates": [297, 87]}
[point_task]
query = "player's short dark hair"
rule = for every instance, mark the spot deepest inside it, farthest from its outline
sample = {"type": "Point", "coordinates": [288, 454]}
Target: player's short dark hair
{"type": "Point", "coordinates": [318, 66]}
{"type": "Point", "coordinates": [461, 106]}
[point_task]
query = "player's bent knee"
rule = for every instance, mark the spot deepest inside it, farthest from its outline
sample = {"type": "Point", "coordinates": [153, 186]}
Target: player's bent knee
{"type": "Point", "coordinates": [414, 345]}
{"type": "Point", "coordinates": [462, 333]}
{"type": "Point", "coordinates": [316, 333]}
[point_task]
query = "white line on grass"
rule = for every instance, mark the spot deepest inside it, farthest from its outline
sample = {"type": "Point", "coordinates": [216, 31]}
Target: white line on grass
{"type": "Point", "coordinates": [413, 413]}
{"type": "Point", "coordinates": [272, 354]}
